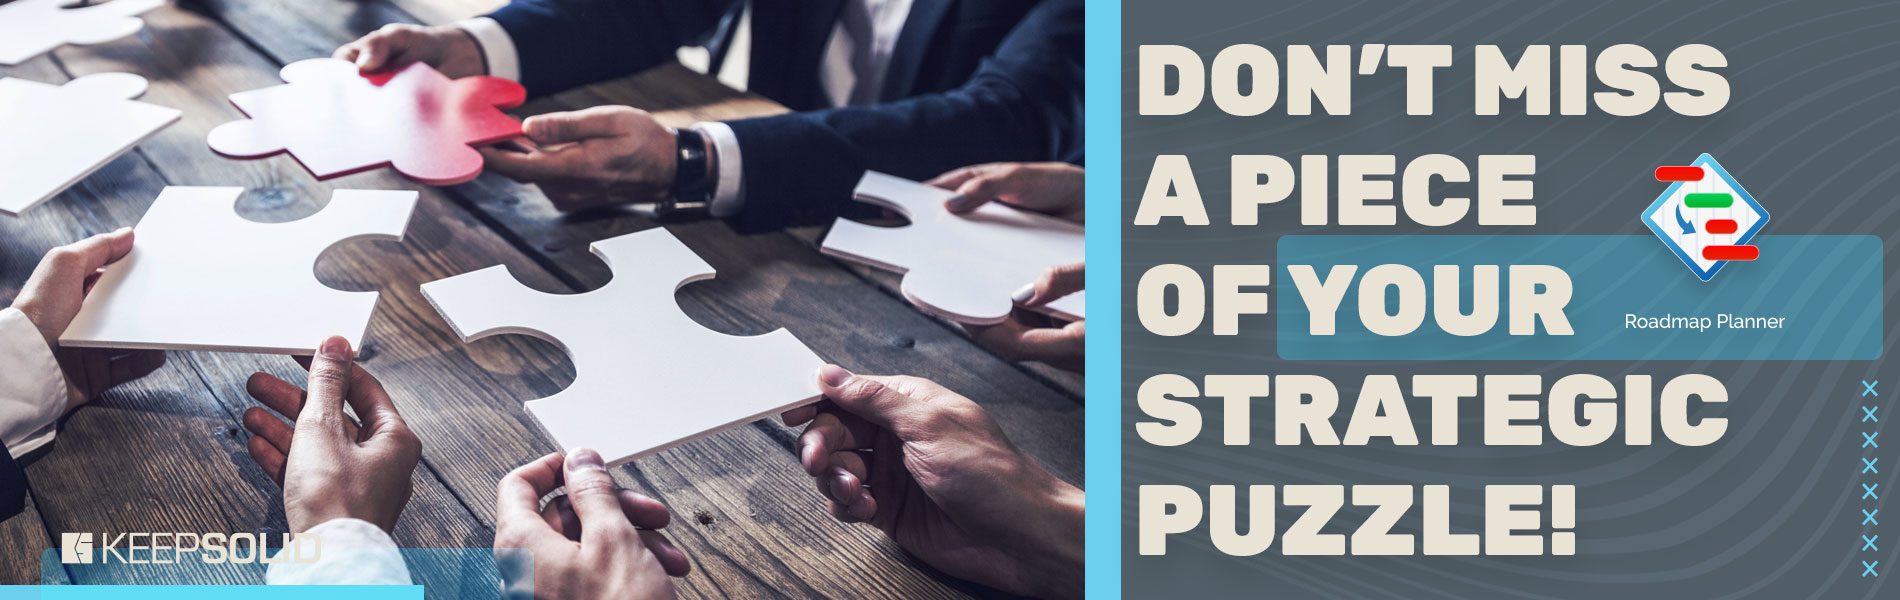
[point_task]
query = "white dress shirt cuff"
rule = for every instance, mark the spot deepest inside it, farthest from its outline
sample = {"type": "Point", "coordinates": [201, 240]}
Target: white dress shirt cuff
{"type": "Point", "coordinates": [350, 552]}
{"type": "Point", "coordinates": [728, 193]}
{"type": "Point", "coordinates": [32, 388]}
{"type": "Point", "coordinates": [497, 48]}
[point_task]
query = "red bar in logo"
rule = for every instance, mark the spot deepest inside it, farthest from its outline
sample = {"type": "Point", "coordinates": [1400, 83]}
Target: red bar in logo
{"type": "Point", "coordinates": [1720, 226]}
{"type": "Point", "coordinates": [1731, 252]}
{"type": "Point", "coordinates": [1678, 173]}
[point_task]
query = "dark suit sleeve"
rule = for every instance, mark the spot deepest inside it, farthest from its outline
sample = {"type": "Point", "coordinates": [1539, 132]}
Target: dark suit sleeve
{"type": "Point", "coordinates": [12, 486]}
{"type": "Point", "coordinates": [567, 43]}
{"type": "Point", "coordinates": [1023, 104]}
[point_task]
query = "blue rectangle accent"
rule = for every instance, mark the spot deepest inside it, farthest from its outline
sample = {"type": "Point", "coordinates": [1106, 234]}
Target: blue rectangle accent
{"type": "Point", "coordinates": [1102, 431]}
{"type": "Point", "coordinates": [1828, 286]}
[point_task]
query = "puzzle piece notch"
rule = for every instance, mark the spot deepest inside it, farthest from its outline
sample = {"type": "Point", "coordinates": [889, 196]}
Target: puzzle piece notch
{"type": "Point", "coordinates": [335, 120]}
{"type": "Point", "coordinates": [962, 267]}
{"type": "Point", "coordinates": [100, 87]}
{"type": "Point", "coordinates": [217, 281]}
{"type": "Point", "coordinates": [29, 28]}
{"type": "Point", "coordinates": [60, 134]}
{"type": "Point", "coordinates": [647, 377]}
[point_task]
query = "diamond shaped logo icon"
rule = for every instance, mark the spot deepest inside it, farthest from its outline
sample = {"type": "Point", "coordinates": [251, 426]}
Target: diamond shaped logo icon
{"type": "Point", "coordinates": [1705, 217]}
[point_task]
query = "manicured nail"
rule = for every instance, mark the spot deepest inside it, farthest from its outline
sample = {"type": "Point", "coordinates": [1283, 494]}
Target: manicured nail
{"type": "Point", "coordinates": [1023, 295]}
{"type": "Point", "coordinates": [833, 375]}
{"type": "Point", "coordinates": [335, 348]}
{"type": "Point", "coordinates": [583, 458]}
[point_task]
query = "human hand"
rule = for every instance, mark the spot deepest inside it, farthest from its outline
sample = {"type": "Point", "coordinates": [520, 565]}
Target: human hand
{"type": "Point", "coordinates": [330, 466]}
{"type": "Point", "coordinates": [1029, 335]}
{"type": "Point", "coordinates": [930, 469]}
{"type": "Point", "coordinates": [1051, 188]}
{"type": "Point", "coordinates": [51, 298]}
{"type": "Point", "coordinates": [597, 541]}
{"type": "Point", "coordinates": [448, 49]}
{"type": "Point", "coordinates": [591, 158]}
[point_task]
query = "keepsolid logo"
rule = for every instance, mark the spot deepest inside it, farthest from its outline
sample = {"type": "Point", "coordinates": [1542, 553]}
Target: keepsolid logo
{"type": "Point", "coordinates": [75, 548]}
{"type": "Point", "coordinates": [79, 548]}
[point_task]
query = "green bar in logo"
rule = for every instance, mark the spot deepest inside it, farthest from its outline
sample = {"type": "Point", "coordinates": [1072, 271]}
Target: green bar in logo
{"type": "Point", "coordinates": [1708, 200]}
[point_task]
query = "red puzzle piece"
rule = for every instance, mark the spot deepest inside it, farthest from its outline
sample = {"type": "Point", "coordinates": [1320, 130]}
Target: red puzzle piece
{"type": "Point", "coordinates": [336, 121]}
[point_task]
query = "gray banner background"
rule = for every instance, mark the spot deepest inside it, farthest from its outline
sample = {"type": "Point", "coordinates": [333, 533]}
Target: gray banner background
{"type": "Point", "coordinates": [1771, 511]}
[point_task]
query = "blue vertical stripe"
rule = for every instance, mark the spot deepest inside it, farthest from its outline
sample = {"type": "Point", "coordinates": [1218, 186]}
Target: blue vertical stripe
{"type": "Point", "coordinates": [1103, 382]}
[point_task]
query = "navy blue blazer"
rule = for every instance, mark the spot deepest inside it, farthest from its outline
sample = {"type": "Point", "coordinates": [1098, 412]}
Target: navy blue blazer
{"type": "Point", "coordinates": [970, 81]}
{"type": "Point", "coordinates": [12, 486]}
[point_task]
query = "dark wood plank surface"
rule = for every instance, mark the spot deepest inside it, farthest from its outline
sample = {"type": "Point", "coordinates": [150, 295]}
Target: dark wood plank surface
{"type": "Point", "coordinates": [23, 542]}
{"type": "Point", "coordinates": [172, 443]}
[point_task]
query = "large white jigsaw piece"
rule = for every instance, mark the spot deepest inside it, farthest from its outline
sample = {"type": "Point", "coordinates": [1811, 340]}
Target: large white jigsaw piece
{"type": "Point", "coordinates": [963, 267]}
{"type": "Point", "coordinates": [29, 28]}
{"type": "Point", "coordinates": [56, 135]}
{"type": "Point", "coordinates": [647, 377]}
{"type": "Point", "coordinates": [201, 277]}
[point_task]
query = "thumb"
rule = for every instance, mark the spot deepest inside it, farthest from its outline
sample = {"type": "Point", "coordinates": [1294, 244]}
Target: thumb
{"type": "Point", "coordinates": [874, 400]}
{"type": "Point", "coordinates": [329, 385]}
{"type": "Point", "coordinates": [371, 53]}
{"type": "Point", "coordinates": [79, 259]}
{"type": "Point", "coordinates": [596, 500]}
{"type": "Point", "coordinates": [975, 192]}
{"type": "Point", "coordinates": [1058, 281]}
{"type": "Point", "coordinates": [568, 127]}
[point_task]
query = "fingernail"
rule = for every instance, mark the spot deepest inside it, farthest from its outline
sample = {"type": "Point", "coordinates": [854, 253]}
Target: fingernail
{"type": "Point", "coordinates": [843, 491]}
{"type": "Point", "coordinates": [1023, 295]}
{"type": "Point", "coordinates": [583, 458]}
{"type": "Point", "coordinates": [121, 230]}
{"type": "Point", "coordinates": [335, 348]}
{"type": "Point", "coordinates": [862, 510]}
{"type": "Point", "coordinates": [833, 375]}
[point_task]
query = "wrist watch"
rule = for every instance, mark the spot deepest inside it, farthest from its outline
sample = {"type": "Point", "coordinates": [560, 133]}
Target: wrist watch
{"type": "Point", "coordinates": [691, 180]}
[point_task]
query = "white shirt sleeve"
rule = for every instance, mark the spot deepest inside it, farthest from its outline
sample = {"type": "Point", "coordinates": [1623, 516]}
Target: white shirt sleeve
{"type": "Point", "coordinates": [32, 388]}
{"type": "Point", "coordinates": [350, 552]}
{"type": "Point", "coordinates": [498, 49]}
{"type": "Point", "coordinates": [728, 193]}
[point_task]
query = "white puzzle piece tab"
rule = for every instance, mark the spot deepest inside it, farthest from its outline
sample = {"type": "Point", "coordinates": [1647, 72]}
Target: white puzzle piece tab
{"type": "Point", "coordinates": [646, 376]}
{"type": "Point", "coordinates": [200, 277]}
{"type": "Point", "coordinates": [962, 267]}
{"type": "Point", "coordinates": [57, 135]}
{"type": "Point", "coordinates": [29, 28]}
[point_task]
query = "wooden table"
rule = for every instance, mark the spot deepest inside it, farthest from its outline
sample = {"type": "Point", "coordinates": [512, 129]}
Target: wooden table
{"type": "Point", "coordinates": [167, 453]}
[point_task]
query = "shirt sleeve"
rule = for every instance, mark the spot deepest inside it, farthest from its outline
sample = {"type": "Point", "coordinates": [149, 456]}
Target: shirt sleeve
{"type": "Point", "coordinates": [350, 552]}
{"type": "Point", "coordinates": [728, 193]}
{"type": "Point", "coordinates": [32, 388]}
{"type": "Point", "coordinates": [498, 49]}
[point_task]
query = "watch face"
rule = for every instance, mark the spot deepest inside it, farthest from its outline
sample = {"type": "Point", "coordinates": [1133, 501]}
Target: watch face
{"type": "Point", "coordinates": [690, 178]}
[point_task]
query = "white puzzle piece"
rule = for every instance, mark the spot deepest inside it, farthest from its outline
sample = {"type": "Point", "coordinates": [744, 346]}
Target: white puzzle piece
{"type": "Point", "coordinates": [29, 28]}
{"type": "Point", "coordinates": [646, 376]}
{"type": "Point", "coordinates": [200, 277]}
{"type": "Point", "coordinates": [57, 135]}
{"type": "Point", "coordinates": [961, 267]}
